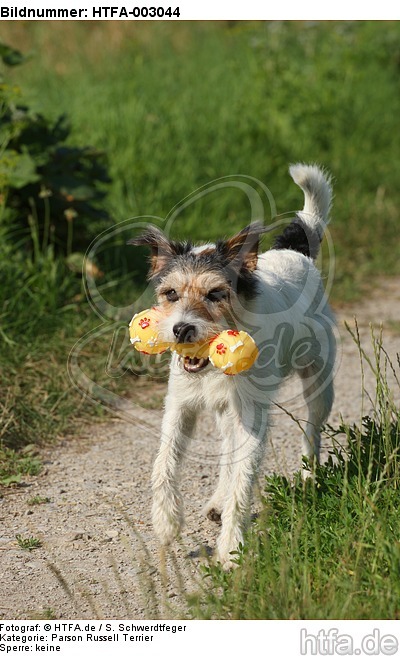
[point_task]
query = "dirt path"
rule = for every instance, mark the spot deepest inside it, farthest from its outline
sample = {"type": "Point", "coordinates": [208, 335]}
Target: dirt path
{"type": "Point", "coordinates": [99, 558]}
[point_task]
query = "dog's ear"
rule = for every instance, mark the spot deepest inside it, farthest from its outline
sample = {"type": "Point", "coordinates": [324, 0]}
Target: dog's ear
{"type": "Point", "coordinates": [162, 250]}
{"type": "Point", "coordinates": [241, 250]}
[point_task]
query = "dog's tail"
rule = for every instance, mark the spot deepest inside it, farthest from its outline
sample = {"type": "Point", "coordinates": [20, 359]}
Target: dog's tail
{"type": "Point", "coordinates": [305, 233]}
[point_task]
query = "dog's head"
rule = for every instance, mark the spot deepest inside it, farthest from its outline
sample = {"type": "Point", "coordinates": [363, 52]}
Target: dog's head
{"type": "Point", "coordinates": [197, 285]}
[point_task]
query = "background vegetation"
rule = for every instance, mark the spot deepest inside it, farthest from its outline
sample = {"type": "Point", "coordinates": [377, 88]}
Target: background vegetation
{"type": "Point", "coordinates": [175, 106]}
{"type": "Point", "coordinates": [105, 121]}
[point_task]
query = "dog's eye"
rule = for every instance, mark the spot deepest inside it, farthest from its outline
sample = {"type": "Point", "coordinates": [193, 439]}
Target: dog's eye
{"type": "Point", "coordinates": [216, 295]}
{"type": "Point", "coordinates": [171, 295]}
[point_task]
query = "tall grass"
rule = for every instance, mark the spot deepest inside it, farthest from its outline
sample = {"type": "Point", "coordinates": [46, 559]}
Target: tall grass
{"type": "Point", "coordinates": [34, 322]}
{"type": "Point", "coordinates": [43, 312]}
{"type": "Point", "coordinates": [328, 547]}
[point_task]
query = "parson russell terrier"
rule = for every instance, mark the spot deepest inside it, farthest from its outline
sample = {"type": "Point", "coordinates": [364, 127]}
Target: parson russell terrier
{"type": "Point", "coordinates": [278, 297]}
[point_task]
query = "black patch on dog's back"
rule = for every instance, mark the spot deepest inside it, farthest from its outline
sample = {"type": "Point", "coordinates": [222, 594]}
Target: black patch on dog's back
{"type": "Point", "coordinates": [295, 238]}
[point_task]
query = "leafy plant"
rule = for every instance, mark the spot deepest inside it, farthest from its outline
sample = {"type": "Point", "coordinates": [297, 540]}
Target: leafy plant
{"type": "Point", "coordinates": [28, 543]}
{"type": "Point", "coordinates": [14, 465]}
{"type": "Point", "coordinates": [42, 177]}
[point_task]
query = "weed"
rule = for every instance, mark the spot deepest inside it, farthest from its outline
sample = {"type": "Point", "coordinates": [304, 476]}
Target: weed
{"type": "Point", "coordinates": [46, 614]}
{"type": "Point", "coordinates": [38, 501]}
{"type": "Point", "coordinates": [28, 543]}
{"type": "Point", "coordinates": [14, 465]}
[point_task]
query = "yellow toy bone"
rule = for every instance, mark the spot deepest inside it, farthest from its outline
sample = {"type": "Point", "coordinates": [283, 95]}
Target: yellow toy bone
{"type": "Point", "coordinates": [144, 333]}
{"type": "Point", "coordinates": [232, 351]}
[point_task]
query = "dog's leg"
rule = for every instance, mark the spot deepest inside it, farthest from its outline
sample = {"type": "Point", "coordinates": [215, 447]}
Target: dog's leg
{"type": "Point", "coordinates": [213, 509]}
{"type": "Point", "coordinates": [167, 512]}
{"type": "Point", "coordinates": [318, 394]}
{"type": "Point", "coordinates": [248, 450]}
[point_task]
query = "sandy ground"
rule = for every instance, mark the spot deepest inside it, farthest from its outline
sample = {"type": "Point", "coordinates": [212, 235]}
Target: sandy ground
{"type": "Point", "coordinates": [98, 556]}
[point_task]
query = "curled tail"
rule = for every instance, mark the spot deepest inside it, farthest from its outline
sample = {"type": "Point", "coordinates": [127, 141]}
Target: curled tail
{"type": "Point", "coordinates": [305, 232]}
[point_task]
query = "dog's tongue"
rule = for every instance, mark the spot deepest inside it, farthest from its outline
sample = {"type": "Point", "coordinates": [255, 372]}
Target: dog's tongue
{"type": "Point", "coordinates": [192, 365]}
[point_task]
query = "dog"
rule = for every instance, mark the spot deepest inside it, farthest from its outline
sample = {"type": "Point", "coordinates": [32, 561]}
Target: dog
{"type": "Point", "coordinates": [279, 298]}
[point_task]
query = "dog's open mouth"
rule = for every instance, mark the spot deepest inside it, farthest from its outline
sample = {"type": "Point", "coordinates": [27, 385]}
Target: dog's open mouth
{"type": "Point", "coordinates": [193, 365]}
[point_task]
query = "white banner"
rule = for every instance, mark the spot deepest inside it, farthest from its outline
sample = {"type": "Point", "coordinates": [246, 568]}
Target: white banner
{"type": "Point", "coordinates": [188, 10]}
{"type": "Point", "coordinates": [152, 638]}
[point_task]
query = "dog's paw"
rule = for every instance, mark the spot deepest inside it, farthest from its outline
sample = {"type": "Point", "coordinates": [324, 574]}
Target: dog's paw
{"type": "Point", "coordinates": [227, 548]}
{"type": "Point", "coordinates": [308, 475]}
{"type": "Point", "coordinates": [167, 516]}
{"type": "Point", "coordinates": [227, 560]}
{"type": "Point", "coordinates": [213, 509]}
{"type": "Point", "coordinates": [214, 516]}
{"type": "Point", "coordinates": [166, 528]}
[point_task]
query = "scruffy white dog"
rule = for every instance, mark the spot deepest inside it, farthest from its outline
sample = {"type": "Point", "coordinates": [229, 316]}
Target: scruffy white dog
{"type": "Point", "coordinates": [278, 297]}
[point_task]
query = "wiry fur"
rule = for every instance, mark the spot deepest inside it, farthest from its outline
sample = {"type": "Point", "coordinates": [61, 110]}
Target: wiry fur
{"type": "Point", "coordinates": [276, 296]}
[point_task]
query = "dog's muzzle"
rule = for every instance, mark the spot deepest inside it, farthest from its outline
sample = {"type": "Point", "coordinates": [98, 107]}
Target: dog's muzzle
{"type": "Point", "coordinates": [185, 333]}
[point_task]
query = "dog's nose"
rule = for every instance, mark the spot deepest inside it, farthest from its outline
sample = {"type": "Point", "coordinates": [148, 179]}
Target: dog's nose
{"type": "Point", "coordinates": [184, 332]}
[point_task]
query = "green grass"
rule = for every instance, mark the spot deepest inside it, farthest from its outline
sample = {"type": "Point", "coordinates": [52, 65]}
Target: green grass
{"type": "Point", "coordinates": [42, 315]}
{"type": "Point", "coordinates": [15, 464]}
{"type": "Point", "coordinates": [328, 547]}
{"type": "Point", "coordinates": [177, 107]}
